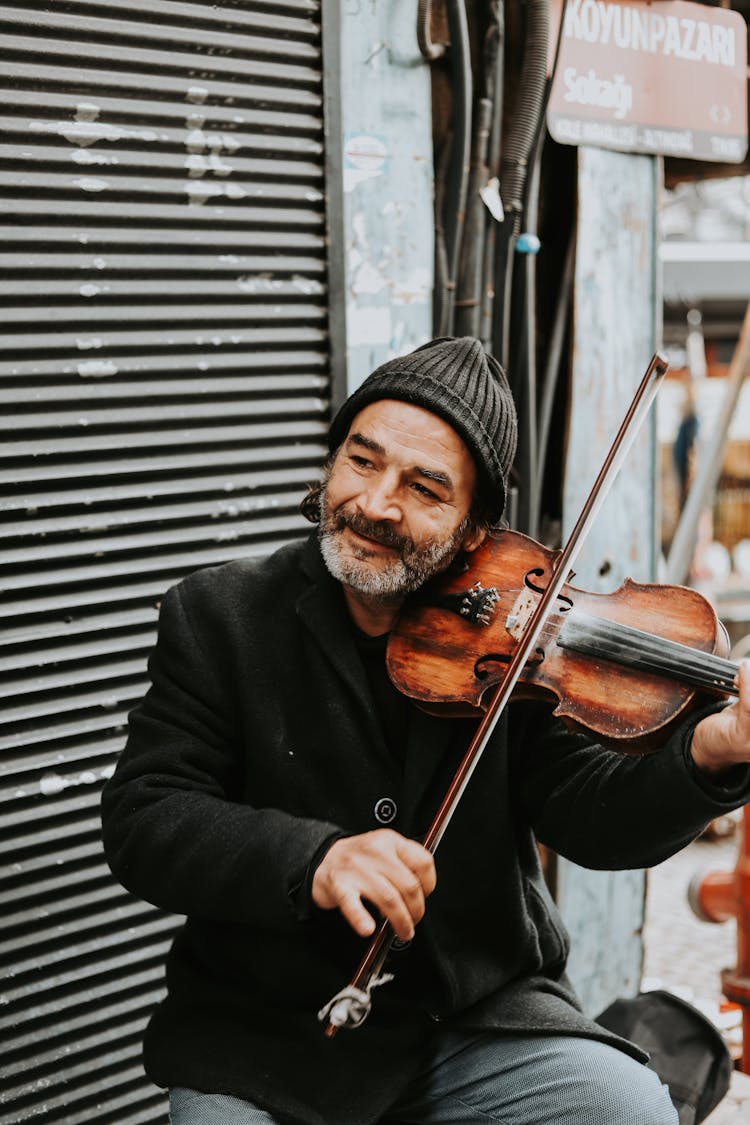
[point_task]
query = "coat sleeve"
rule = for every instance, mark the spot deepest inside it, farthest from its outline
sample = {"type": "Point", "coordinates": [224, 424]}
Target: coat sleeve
{"type": "Point", "coordinates": [607, 810]}
{"type": "Point", "coordinates": [175, 832]}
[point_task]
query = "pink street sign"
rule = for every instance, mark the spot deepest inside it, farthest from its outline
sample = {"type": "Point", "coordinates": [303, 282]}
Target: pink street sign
{"type": "Point", "coordinates": [665, 77]}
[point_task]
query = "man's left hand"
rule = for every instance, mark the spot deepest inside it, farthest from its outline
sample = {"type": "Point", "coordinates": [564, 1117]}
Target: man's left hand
{"type": "Point", "coordinates": [722, 740]}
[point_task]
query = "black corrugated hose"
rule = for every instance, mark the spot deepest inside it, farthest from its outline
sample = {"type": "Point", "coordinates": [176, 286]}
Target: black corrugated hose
{"type": "Point", "coordinates": [452, 172]}
{"type": "Point", "coordinates": [476, 270]}
{"type": "Point", "coordinates": [522, 341]}
{"type": "Point", "coordinates": [467, 251]}
{"type": "Point", "coordinates": [457, 177]}
{"type": "Point", "coordinates": [552, 371]}
{"type": "Point", "coordinates": [494, 79]}
{"type": "Point", "coordinates": [468, 305]}
{"type": "Point", "coordinates": [429, 50]}
{"type": "Point", "coordinates": [520, 143]}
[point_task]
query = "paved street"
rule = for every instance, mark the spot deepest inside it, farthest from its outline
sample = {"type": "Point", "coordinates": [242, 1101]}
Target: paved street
{"type": "Point", "coordinates": [685, 955]}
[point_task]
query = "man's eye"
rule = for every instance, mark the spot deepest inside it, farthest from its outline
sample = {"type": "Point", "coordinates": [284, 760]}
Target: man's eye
{"type": "Point", "coordinates": [361, 462]}
{"type": "Point", "coordinates": [424, 491]}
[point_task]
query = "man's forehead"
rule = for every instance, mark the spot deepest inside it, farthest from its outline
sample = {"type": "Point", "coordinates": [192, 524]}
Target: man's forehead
{"type": "Point", "coordinates": [388, 416]}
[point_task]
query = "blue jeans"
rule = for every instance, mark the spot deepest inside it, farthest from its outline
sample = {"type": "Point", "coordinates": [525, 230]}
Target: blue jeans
{"type": "Point", "coordinates": [481, 1078]}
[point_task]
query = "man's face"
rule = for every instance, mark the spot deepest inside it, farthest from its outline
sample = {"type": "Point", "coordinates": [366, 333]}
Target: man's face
{"type": "Point", "coordinates": [395, 507]}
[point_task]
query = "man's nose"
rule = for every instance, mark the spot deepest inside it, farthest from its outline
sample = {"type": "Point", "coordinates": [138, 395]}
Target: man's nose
{"type": "Point", "coordinates": [378, 500]}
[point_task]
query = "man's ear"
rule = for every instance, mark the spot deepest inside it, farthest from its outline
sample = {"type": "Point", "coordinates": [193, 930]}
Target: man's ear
{"type": "Point", "coordinates": [474, 538]}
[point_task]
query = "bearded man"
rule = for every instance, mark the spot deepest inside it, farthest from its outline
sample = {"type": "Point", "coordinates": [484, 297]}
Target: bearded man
{"type": "Point", "coordinates": [275, 786]}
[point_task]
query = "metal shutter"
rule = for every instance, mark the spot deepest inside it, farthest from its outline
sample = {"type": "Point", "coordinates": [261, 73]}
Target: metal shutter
{"type": "Point", "coordinates": [165, 374]}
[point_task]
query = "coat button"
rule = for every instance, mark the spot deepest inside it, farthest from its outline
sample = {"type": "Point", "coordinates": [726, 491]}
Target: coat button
{"type": "Point", "coordinates": [385, 810]}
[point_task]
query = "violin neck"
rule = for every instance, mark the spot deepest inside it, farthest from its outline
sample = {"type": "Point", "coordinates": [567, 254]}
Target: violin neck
{"type": "Point", "coordinates": [610, 640]}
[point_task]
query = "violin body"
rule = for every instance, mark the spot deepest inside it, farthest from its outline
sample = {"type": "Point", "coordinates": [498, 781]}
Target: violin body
{"type": "Point", "coordinates": [625, 666]}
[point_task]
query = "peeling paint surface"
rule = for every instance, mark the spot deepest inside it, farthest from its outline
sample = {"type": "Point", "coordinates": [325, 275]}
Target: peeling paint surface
{"type": "Point", "coordinates": [615, 321]}
{"type": "Point", "coordinates": [92, 183]}
{"type": "Point", "coordinates": [198, 164]}
{"type": "Point", "coordinates": [197, 95]}
{"type": "Point", "coordinates": [200, 192]}
{"type": "Point", "coordinates": [51, 784]}
{"type": "Point", "coordinates": [85, 156]}
{"type": "Point", "coordinates": [615, 336]}
{"type": "Point", "coordinates": [97, 369]}
{"type": "Point", "coordinates": [85, 128]}
{"type": "Point", "coordinates": [388, 186]}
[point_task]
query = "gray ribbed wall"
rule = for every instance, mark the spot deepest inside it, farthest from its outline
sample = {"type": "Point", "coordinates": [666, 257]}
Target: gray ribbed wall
{"type": "Point", "coordinates": [164, 375]}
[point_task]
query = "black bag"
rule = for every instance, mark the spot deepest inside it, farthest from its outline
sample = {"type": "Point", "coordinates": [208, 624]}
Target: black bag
{"type": "Point", "coordinates": [687, 1051]}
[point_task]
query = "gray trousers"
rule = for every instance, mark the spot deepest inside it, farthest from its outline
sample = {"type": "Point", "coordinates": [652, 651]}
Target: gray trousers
{"type": "Point", "coordinates": [481, 1078]}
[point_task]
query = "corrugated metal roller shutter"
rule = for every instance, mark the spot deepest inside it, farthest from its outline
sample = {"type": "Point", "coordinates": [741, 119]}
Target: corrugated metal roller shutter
{"type": "Point", "coordinates": [164, 383]}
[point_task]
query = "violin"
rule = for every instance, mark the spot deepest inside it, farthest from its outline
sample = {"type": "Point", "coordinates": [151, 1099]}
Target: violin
{"type": "Point", "coordinates": [626, 666]}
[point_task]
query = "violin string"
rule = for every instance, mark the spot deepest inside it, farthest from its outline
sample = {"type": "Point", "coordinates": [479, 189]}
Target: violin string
{"type": "Point", "coordinates": [635, 648]}
{"type": "Point", "coordinates": [660, 655]}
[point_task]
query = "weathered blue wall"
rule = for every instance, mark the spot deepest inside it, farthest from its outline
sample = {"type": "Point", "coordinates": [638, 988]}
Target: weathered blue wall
{"type": "Point", "coordinates": [387, 182]}
{"type": "Point", "coordinates": [615, 335]}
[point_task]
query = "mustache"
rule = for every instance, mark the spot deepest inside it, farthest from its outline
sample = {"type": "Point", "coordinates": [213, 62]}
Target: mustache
{"type": "Point", "coordinates": [379, 530]}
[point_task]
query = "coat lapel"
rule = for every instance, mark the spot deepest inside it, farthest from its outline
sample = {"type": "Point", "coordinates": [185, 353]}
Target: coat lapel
{"type": "Point", "coordinates": [322, 610]}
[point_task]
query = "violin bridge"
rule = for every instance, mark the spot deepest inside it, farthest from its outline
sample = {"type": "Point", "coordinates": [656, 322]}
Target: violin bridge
{"type": "Point", "coordinates": [520, 614]}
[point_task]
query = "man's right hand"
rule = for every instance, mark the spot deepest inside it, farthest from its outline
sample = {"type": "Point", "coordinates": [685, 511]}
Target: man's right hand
{"type": "Point", "coordinates": [393, 873]}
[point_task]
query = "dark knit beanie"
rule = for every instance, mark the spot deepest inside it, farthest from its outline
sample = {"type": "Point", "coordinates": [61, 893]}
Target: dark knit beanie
{"type": "Point", "coordinates": [455, 379]}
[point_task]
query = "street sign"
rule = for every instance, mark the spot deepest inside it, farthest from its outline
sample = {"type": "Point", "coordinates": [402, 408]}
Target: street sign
{"type": "Point", "coordinates": [665, 77]}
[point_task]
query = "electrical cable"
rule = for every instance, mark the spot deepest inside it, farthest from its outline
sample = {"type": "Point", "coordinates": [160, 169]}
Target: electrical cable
{"type": "Point", "coordinates": [468, 305]}
{"type": "Point", "coordinates": [458, 170]}
{"type": "Point", "coordinates": [494, 74]}
{"type": "Point", "coordinates": [552, 370]}
{"type": "Point", "coordinates": [520, 143]}
{"type": "Point", "coordinates": [429, 50]}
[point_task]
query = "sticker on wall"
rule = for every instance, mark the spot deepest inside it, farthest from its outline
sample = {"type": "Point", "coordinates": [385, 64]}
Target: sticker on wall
{"type": "Point", "coordinates": [365, 157]}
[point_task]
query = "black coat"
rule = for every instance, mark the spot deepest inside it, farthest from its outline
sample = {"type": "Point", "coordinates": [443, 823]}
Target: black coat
{"type": "Point", "coordinates": [257, 743]}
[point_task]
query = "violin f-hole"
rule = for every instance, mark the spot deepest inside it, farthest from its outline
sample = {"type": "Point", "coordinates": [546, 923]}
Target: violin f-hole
{"type": "Point", "coordinates": [564, 602]}
{"type": "Point", "coordinates": [538, 571]}
{"type": "Point", "coordinates": [483, 669]}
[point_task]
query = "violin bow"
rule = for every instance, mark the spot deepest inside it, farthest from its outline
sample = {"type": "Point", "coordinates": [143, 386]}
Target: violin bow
{"type": "Point", "coordinates": [350, 1007]}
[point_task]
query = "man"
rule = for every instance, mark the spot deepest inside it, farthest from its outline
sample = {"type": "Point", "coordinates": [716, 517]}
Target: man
{"type": "Point", "coordinates": [275, 786]}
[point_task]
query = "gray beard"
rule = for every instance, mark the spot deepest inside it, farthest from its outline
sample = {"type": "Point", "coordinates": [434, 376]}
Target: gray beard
{"type": "Point", "coordinates": [396, 577]}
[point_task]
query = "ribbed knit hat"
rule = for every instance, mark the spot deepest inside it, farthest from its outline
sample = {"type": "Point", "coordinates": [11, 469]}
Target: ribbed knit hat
{"type": "Point", "coordinates": [455, 379]}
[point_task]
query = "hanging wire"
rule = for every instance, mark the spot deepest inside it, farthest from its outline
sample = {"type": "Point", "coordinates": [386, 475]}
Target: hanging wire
{"type": "Point", "coordinates": [429, 50]}
{"type": "Point", "coordinates": [520, 184]}
{"type": "Point", "coordinates": [457, 176]}
{"type": "Point", "coordinates": [494, 73]}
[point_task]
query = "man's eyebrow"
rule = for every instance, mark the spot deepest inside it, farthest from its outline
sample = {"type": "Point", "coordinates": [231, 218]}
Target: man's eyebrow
{"type": "Point", "coordinates": [366, 443]}
{"type": "Point", "coordinates": [437, 477]}
{"type": "Point", "coordinates": [434, 475]}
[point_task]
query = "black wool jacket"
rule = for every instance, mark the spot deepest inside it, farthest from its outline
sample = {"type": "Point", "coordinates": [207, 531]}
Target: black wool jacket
{"type": "Point", "coordinates": [257, 743]}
